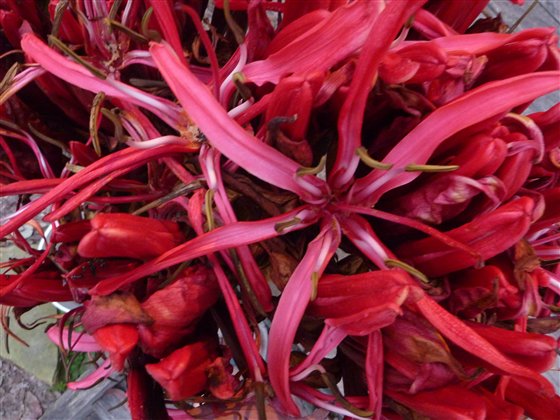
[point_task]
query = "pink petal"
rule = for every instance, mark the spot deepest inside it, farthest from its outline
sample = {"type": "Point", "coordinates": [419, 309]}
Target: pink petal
{"type": "Point", "coordinates": [103, 371]}
{"type": "Point", "coordinates": [291, 307]}
{"type": "Point", "coordinates": [229, 236]}
{"type": "Point", "coordinates": [475, 106]}
{"type": "Point", "coordinates": [80, 341]}
{"type": "Point", "coordinates": [224, 133]}
{"type": "Point", "coordinates": [319, 48]}
{"type": "Point", "coordinates": [126, 158]}
{"type": "Point", "coordinates": [78, 75]}
{"type": "Point", "coordinates": [350, 121]}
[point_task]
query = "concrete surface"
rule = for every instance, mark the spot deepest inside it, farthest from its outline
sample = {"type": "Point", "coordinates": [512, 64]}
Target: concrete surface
{"type": "Point", "coordinates": [41, 356]}
{"type": "Point", "coordinates": [22, 396]}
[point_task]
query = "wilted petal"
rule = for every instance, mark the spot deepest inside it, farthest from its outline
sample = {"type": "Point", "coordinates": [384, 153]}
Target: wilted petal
{"type": "Point", "coordinates": [463, 336]}
{"type": "Point", "coordinates": [294, 9]}
{"type": "Point", "coordinates": [232, 235]}
{"type": "Point", "coordinates": [497, 407]}
{"type": "Point", "coordinates": [417, 351]}
{"type": "Point", "coordinates": [36, 289]}
{"type": "Point", "coordinates": [224, 133]}
{"type": "Point", "coordinates": [70, 232]}
{"type": "Point", "coordinates": [74, 73]}
{"type": "Point", "coordinates": [221, 382]}
{"type": "Point", "coordinates": [413, 64]}
{"type": "Point", "coordinates": [80, 341]}
{"type": "Point", "coordinates": [475, 290]}
{"type": "Point", "coordinates": [351, 116]}
{"type": "Point", "coordinates": [103, 371]}
{"type": "Point", "coordinates": [520, 56]}
{"type": "Point", "coordinates": [175, 308]}
{"type": "Point", "coordinates": [296, 28]}
{"type": "Point", "coordinates": [456, 13]}
{"type": "Point", "coordinates": [113, 309]}
{"type": "Point", "coordinates": [126, 159]}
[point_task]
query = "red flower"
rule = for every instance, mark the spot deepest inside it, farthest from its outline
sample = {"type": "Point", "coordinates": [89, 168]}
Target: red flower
{"type": "Point", "coordinates": [183, 373]}
{"type": "Point", "coordinates": [175, 309]}
{"type": "Point", "coordinates": [118, 340]}
{"type": "Point", "coordinates": [125, 235]}
{"type": "Point", "coordinates": [361, 303]}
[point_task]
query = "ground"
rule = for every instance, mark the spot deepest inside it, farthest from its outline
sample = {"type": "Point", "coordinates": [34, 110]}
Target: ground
{"type": "Point", "coordinates": [22, 396]}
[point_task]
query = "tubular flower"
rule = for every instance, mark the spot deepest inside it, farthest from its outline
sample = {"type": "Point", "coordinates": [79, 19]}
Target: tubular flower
{"type": "Point", "coordinates": [176, 308]}
{"type": "Point", "coordinates": [361, 303]}
{"type": "Point", "coordinates": [124, 235]}
{"type": "Point", "coordinates": [118, 340]}
{"type": "Point", "coordinates": [490, 234]}
{"type": "Point", "coordinates": [296, 208]}
{"type": "Point", "coordinates": [183, 373]}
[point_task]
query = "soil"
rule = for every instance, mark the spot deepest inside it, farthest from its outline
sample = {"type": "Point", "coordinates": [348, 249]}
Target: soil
{"type": "Point", "coordinates": [22, 396]}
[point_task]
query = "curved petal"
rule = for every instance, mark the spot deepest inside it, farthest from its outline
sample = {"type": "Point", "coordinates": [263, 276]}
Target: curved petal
{"type": "Point", "coordinates": [224, 133]}
{"type": "Point", "coordinates": [291, 307]}
{"type": "Point", "coordinates": [475, 106]}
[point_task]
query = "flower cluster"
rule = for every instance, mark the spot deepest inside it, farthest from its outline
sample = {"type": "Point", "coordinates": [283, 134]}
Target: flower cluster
{"type": "Point", "coordinates": [257, 203]}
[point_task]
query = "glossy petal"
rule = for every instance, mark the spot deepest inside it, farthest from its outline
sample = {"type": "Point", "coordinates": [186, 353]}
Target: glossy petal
{"type": "Point", "coordinates": [125, 235]}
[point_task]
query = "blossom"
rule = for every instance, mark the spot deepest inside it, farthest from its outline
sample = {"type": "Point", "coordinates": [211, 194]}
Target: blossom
{"type": "Point", "coordinates": [124, 235]}
{"type": "Point", "coordinates": [372, 160]}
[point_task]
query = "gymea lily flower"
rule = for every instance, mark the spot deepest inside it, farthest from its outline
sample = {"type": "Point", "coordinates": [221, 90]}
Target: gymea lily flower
{"type": "Point", "coordinates": [125, 235]}
{"type": "Point", "coordinates": [183, 373]}
{"type": "Point", "coordinates": [273, 163]}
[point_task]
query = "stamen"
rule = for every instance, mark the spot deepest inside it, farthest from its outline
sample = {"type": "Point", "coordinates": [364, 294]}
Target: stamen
{"type": "Point", "coordinates": [172, 195]}
{"type": "Point", "coordinates": [149, 33]}
{"type": "Point", "coordinates": [391, 263]}
{"type": "Point", "coordinates": [312, 170]}
{"type": "Point", "coordinates": [314, 285]}
{"type": "Point", "coordinates": [114, 9]}
{"type": "Point", "coordinates": [340, 398]}
{"type": "Point", "coordinates": [281, 226]}
{"type": "Point", "coordinates": [125, 29]}
{"type": "Point", "coordinates": [111, 116]}
{"type": "Point", "coordinates": [273, 125]}
{"type": "Point", "coordinates": [93, 121]}
{"type": "Point", "coordinates": [208, 200]}
{"type": "Point", "coordinates": [175, 274]}
{"type": "Point", "coordinates": [235, 28]}
{"type": "Point", "coordinates": [50, 140]}
{"type": "Point", "coordinates": [9, 76]}
{"type": "Point", "coordinates": [246, 285]}
{"type": "Point", "coordinates": [74, 168]}
{"type": "Point", "coordinates": [371, 162]}
{"type": "Point", "coordinates": [239, 80]}
{"type": "Point", "coordinates": [260, 393]}
{"type": "Point", "coordinates": [57, 18]}
{"type": "Point", "coordinates": [430, 168]}
{"type": "Point", "coordinates": [62, 47]}
{"type": "Point", "coordinates": [6, 54]}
